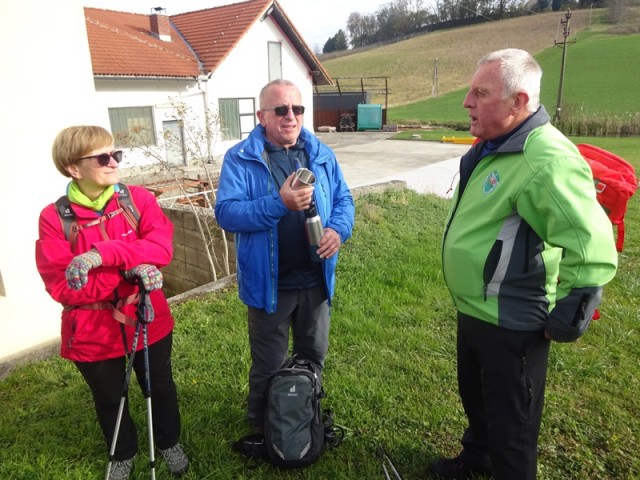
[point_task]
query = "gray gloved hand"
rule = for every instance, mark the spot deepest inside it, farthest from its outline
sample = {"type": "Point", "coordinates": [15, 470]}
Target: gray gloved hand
{"type": "Point", "coordinates": [78, 270]}
{"type": "Point", "coordinates": [149, 274]}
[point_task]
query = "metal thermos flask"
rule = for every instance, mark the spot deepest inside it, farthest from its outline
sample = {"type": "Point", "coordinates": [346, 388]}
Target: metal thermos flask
{"type": "Point", "coordinates": [313, 227]}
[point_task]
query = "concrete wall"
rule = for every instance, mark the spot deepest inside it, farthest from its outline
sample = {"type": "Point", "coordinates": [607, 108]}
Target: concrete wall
{"type": "Point", "coordinates": [193, 255]}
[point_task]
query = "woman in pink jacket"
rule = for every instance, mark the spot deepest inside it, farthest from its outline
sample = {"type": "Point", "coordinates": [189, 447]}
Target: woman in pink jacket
{"type": "Point", "coordinates": [94, 274]}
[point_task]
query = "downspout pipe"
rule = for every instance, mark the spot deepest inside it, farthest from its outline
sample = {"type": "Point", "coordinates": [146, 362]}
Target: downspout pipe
{"type": "Point", "coordinates": [204, 79]}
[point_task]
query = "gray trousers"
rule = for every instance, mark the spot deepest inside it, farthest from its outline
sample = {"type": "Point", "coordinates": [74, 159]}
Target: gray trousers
{"type": "Point", "coordinates": [307, 313]}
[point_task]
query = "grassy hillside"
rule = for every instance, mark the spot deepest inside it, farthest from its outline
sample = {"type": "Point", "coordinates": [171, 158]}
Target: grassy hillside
{"type": "Point", "coordinates": [410, 64]}
{"type": "Point", "coordinates": [600, 75]}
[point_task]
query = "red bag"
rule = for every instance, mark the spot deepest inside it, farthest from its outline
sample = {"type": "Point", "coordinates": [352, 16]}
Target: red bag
{"type": "Point", "coordinates": [615, 181]}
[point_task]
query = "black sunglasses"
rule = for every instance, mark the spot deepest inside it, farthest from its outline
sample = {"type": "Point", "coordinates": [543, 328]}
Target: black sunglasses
{"type": "Point", "coordinates": [105, 158]}
{"type": "Point", "coordinates": [282, 110]}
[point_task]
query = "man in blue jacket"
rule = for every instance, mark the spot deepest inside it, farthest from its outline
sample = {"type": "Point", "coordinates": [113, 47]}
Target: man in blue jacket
{"type": "Point", "coordinates": [278, 279]}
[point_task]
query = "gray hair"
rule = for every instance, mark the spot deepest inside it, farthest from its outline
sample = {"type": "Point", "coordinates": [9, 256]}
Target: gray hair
{"type": "Point", "coordinates": [280, 82]}
{"type": "Point", "coordinates": [520, 73]}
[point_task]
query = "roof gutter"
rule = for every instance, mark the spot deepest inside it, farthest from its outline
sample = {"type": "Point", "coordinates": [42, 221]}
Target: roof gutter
{"type": "Point", "coordinates": [140, 77]}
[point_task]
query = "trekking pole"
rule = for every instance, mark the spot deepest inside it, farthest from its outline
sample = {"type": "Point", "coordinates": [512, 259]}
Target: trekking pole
{"type": "Point", "coordinates": [123, 397]}
{"type": "Point", "coordinates": [144, 313]}
{"type": "Point", "coordinates": [386, 472]}
{"type": "Point", "coordinates": [386, 459]}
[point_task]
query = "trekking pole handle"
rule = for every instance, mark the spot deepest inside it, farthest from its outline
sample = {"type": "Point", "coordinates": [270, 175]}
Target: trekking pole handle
{"type": "Point", "coordinates": [144, 311]}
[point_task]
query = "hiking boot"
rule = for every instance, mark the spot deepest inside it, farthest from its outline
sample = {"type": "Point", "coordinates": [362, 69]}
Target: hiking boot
{"type": "Point", "coordinates": [121, 469]}
{"type": "Point", "coordinates": [176, 459]}
{"type": "Point", "coordinates": [456, 469]}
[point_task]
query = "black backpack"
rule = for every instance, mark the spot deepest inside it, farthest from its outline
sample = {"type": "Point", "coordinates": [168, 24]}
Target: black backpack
{"type": "Point", "coordinates": [296, 430]}
{"type": "Point", "coordinates": [293, 427]}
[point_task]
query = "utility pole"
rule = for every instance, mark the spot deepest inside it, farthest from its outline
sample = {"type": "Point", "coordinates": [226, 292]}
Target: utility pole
{"type": "Point", "coordinates": [565, 34]}
{"type": "Point", "coordinates": [434, 84]}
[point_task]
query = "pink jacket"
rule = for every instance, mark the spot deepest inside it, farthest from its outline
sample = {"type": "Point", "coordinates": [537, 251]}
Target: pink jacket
{"type": "Point", "coordinates": [90, 335]}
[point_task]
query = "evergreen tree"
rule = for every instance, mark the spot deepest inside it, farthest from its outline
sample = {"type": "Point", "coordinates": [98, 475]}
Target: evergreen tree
{"type": "Point", "coordinates": [340, 40]}
{"type": "Point", "coordinates": [329, 45]}
{"type": "Point", "coordinates": [336, 43]}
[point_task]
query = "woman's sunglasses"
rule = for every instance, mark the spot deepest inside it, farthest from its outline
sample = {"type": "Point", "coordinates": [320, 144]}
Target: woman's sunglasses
{"type": "Point", "coordinates": [105, 158]}
{"type": "Point", "coordinates": [282, 110]}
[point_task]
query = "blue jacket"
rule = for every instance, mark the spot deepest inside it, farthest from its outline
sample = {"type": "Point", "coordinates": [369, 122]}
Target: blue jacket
{"type": "Point", "coordinates": [249, 205]}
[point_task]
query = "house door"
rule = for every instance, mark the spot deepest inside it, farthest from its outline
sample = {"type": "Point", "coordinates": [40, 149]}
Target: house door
{"type": "Point", "coordinates": [174, 142]}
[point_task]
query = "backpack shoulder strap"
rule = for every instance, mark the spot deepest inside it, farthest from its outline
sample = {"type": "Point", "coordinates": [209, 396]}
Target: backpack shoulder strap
{"type": "Point", "coordinates": [131, 212]}
{"type": "Point", "coordinates": [67, 218]}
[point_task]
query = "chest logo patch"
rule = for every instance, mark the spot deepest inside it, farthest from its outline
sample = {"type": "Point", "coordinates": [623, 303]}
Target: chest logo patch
{"type": "Point", "coordinates": [491, 182]}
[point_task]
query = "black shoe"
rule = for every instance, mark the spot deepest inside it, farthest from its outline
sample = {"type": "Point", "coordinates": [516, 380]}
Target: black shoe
{"type": "Point", "coordinates": [456, 469]}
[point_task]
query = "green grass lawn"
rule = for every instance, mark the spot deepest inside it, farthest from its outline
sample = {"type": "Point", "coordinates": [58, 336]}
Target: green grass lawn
{"type": "Point", "coordinates": [390, 374]}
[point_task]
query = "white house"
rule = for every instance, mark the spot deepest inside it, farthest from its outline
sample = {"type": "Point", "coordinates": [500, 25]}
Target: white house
{"type": "Point", "coordinates": [216, 59]}
{"type": "Point", "coordinates": [119, 70]}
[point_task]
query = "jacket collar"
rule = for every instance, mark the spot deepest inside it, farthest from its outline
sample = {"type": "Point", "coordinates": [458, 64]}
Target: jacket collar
{"type": "Point", "coordinates": [515, 142]}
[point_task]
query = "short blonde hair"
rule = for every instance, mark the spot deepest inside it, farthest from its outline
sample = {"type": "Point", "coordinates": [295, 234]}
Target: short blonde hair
{"type": "Point", "coordinates": [72, 143]}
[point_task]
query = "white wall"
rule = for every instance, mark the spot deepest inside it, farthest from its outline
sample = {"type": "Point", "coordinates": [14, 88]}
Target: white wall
{"type": "Point", "coordinates": [250, 57]}
{"type": "Point", "coordinates": [161, 94]}
{"type": "Point", "coordinates": [46, 85]}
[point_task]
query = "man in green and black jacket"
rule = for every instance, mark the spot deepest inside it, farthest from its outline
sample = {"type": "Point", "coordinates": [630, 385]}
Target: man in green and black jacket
{"type": "Point", "coordinates": [526, 252]}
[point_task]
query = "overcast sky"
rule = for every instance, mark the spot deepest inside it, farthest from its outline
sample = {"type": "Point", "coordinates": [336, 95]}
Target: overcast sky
{"type": "Point", "coordinates": [316, 20]}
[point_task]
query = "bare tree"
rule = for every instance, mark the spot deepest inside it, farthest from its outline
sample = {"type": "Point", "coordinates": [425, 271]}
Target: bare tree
{"type": "Point", "coordinates": [619, 11]}
{"type": "Point", "coordinates": [197, 141]}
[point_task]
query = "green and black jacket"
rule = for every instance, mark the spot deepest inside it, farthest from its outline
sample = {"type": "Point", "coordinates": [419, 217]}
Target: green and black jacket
{"type": "Point", "coordinates": [526, 245]}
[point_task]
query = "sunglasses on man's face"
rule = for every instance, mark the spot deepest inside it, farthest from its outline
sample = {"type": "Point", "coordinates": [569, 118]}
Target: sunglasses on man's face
{"type": "Point", "coordinates": [282, 110]}
{"type": "Point", "coordinates": [105, 158]}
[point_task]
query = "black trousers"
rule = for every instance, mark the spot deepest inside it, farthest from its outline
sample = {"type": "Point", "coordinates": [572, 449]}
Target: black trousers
{"type": "Point", "coordinates": [501, 379]}
{"type": "Point", "coordinates": [106, 379]}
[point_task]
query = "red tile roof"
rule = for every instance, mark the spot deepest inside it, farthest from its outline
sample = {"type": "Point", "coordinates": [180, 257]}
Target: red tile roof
{"type": "Point", "coordinates": [214, 32]}
{"type": "Point", "coordinates": [122, 44]}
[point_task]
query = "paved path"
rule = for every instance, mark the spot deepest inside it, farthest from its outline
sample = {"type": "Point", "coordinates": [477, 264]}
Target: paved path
{"type": "Point", "coordinates": [368, 158]}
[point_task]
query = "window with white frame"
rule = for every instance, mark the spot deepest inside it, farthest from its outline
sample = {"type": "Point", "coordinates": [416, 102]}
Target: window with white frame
{"type": "Point", "coordinates": [237, 117]}
{"type": "Point", "coordinates": [132, 126]}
